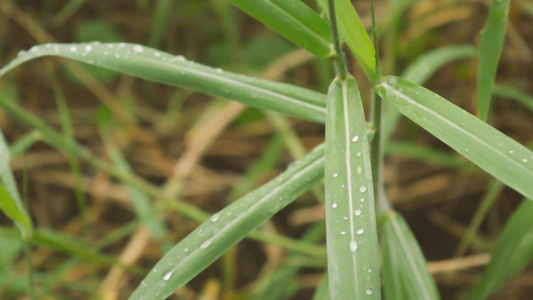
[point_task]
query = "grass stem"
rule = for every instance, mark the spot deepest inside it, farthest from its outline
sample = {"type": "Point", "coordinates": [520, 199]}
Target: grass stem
{"type": "Point", "coordinates": [340, 62]}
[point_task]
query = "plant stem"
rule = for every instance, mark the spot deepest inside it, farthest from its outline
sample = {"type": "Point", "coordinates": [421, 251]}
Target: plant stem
{"type": "Point", "coordinates": [376, 154]}
{"type": "Point", "coordinates": [340, 63]}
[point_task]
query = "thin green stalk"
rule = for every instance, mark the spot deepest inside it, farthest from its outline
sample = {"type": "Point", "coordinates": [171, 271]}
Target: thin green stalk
{"type": "Point", "coordinates": [376, 146]}
{"type": "Point", "coordinates": [68, 131]}
{"type": "Point", "coordinates": [340, 63]}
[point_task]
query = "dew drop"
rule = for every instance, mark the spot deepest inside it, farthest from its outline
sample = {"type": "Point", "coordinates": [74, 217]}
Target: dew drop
{"type": "Point", "coordinates": [334, 205]}
{"type": "Point", "coordinates": [219, 70]}
{"type": "Point", "coordinates": [167, 276]}
{"type": "Point", "coordinates": [343, 232]}
{"type": "Point", "coordinates": [368, 292]}
{"type": "Point", "coordinates": [524, 160]}
{"type": "Point", "coordinates": [355, 138]}
{"type": "Point", "coordinates": [138, 48]}
{"type": "Point", "coordinates": [157, 54]}
{"type": "Point", "coordinates": [359, 170]}
{"type": "Point", "coordinates": [345, 217]}
{"type": "Point", "coordinates": [360, 231]}
{"type": "Point", "coordinates": [358, 153]}
{"type": "Point", "coordinates": [73, 49]}
{"type": "Point", "coordinates": [88, 48]}
{"type": "Point", "coordinates": [353, 246]}
{"type": "Point", "coordinates": [362, 199]}
{"type": "Point", "coordinates": [335, 175]}
{"type": "Point", "coordinates": [357, 212]}
{"type": "Point", "coordinates": [215, 217]}
{"type": "Point", "coordinates": [186, 250]}
{"type": "Point", "coordinates": [362, 189]}
{"type": "Point", "coordinates": [205, 244]}
{"type": "Point", "coordinates": [511, 151]}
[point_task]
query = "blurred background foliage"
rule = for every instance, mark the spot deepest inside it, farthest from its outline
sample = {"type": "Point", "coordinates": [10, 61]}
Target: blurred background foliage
{"type": "Point", "coordinates": [90, 244]}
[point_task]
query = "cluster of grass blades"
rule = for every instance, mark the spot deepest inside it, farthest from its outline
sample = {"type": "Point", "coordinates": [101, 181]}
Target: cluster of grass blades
{"type": "Point", "coordinates": [360, 223]}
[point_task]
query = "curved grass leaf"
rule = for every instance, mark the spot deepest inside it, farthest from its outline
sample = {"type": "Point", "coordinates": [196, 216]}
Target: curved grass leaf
{"type": "Point", "coordinates": [515, 94]}
{"type": "Point", "coordinates": [227, 227]}
{"type": "Point", "coordinates": [10, 208]}
{"type": "Point", "coordinates": [10, 201]}
{"type": "Point", "coordinates": [355, 35]}
{"type": "Point", "coordinates": [426, 65]}
{"type": "Point", "coordinates": [353, 263]}
{"type": "Point", "coordinates": [405, 274]}
{"type": "Point", "coordinates": [512, 254]}
{"type": "Point", "coordinates": [294, 20]}
{"type": "Point", "coordinates": [154, 65]}
{"type": "Point", "coordinates": [490, 48]}
{"type": "Point", "coordinates": [488, 148]}
{"type": "Point", "coordinates": [419, 72]}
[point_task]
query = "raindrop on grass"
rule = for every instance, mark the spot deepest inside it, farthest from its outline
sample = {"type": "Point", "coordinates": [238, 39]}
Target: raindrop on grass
{"type": "Point", "coordinates": [353, 246]}
{"type": "Point", "coordinates": [343, 232]}
{"type": "Point", "coordinates": [360, 231]}
{"type": "Point", "coordinates": [73, 49]}
{"type": "Point", "coordinates": [215, 217]}
{"type": "Point", "coordinates": [362, 189]}
{"type": "Point", "coordinates": [335, 175]}
{"type": "Point", "coordinates": [359, 170]}
{"type": "Point", "coordinates": [334, 205]}
{"type": "Point", "coordinates": [167, 275]}
{"type": "Point", "coordinates": [357, 212]}
{"type": "Point", "coordinates": [369, 292]}
{"type": "Point", "coordinates": [138, 48]}
{"type": "Point", "coordinates": [355, 138]}
{"type": "Point", "coordinates": [205, 244]}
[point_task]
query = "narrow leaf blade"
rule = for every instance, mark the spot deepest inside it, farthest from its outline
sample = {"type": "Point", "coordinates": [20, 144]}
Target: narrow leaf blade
{"type": "Point", "coordinates": [488, 148]}
{"type": "Point", "coordinates": [10, 208]}
{"type": "Point", "coordinates": [10, 201]}
{"type": "Point", "coordinates": [490, 48]}
{"type": "Point", "coordinates": [353, 262]}
{"type": "Point", "coordinates": [512, 254]}
{"type": "Point", "coordinates": [154, 65]}
{"type": "Point", "coordinates": [294, 20]}
{"type": "Point", "coordinates": [404, 268]}
{"type": "Point", "coordinates": [209, 241]}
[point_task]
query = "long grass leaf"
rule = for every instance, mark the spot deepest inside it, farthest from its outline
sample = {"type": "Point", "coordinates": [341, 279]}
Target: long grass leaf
{"type": "Point", "coordinates": [515, 94]}
{"type": "Point", "coordinates": [353, 264]}
{"type": "Point", "coordinates": [490, 48]}
{"type": "Point", "coordinates": [154, 65]}
{"type": "Point", "coordinates": [294, 20]}
{"type": "Point", "coordinates": [488, 148]}
{"type": "Point", "coordinates": [355, 35]}
{"type": "Point", "coordinates": [420, 70]}
{"type": "Point", "coordinates": [404, 268]}
{"type": "Point", "coordinates": [10, 201]}
{"type": "Point", "coordinates": [9, 207]}
{"type": "Point", "coordinates": [512, 254]}
{"type": "Point", "coordinates": [227, 227]}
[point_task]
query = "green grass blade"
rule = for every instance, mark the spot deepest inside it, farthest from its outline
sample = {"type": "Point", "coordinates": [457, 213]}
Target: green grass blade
{"type": "Point", "coordinates": [154, 65]}
{"type": "Point", "coordinates": [322, 291]}
{"type": "Point", "coordinates": [515, 94]}
{"type": "Point", "coordinates": [10, 201]}
{"type": "Point", "coordinates": [405, 274]}
{"type": "Point", "coordinates": [426, 65]}
{"type": "Point", "coordinates": [488, 148]}
{"type": "Point", "coordinates": [227, 227]}
{"type": "Point", "coordinates": [10, 208]}
{"type": "Point", "coordinates": [294, 20]}
{"type": "Point", "coordinates": [353, 264]}
{"type": "Point", "coordinates": [419, 72]}
{"type": "Point", "coordinates": [354, 35]}
{"type": "Point", "coordinates": [512, 254]}
{"type": "Point", "coordinates": [140, 202]}
{"type": "Point", "coordinates": [425, 154]}
{"type": "Point", "coordinates": [490, 48]}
